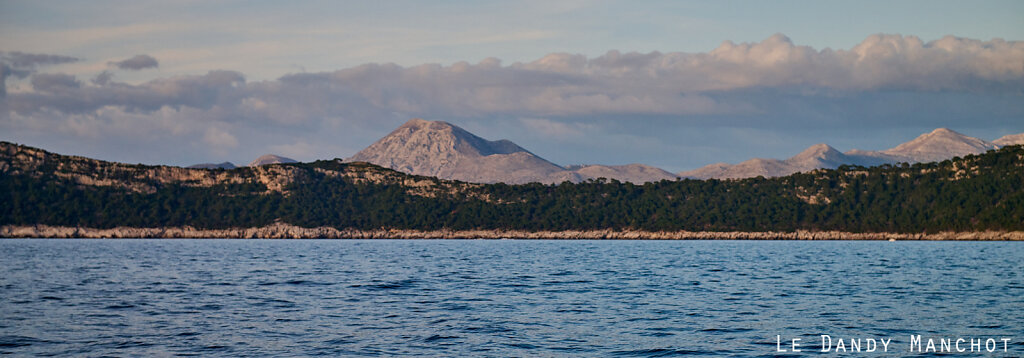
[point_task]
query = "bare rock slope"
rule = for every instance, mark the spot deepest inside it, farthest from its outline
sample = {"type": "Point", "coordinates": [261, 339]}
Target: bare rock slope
{"type": "Point", "coordinates": [1012, 139]}
{"type": "Point", "coordinates": [633, 173]}
{"type": "Point", "coordinates": [814, 157]}
{"type": "Point", "coordinates": [440, 149]}
{"type": "Point", "coordinates": [443, 150]}
{"type": "Point", "coordinates": [937, 145]}
{"type": "Point", "coordinates": [271, 159]}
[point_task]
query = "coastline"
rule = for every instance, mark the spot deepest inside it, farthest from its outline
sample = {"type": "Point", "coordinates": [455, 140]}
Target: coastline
{"type": "Point", "coordinates": [285, 231]}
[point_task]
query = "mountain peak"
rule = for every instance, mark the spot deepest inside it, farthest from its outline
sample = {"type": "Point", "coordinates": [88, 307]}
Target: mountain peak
{"type": "Point", "coordinates": [1011, 139]}
{"type": "Point", "coordinates": [418, 121]}
{"type": "Point", "coordinates": [817, 150]}
{"type": "Point", "coordinates": [422, 124]}
{"type": "Point", "coordinates": [820, 155]}
{"type": "Point", "coordinates": [939, 144]}
{"type": "Point", "coordinates": [267, 159]}
{"type": "Point", "coordinates": [444, 150]}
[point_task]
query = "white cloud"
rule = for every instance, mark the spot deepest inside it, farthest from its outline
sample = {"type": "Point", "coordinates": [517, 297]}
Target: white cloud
{"type": "Point", "coordinates": [769, 83]}
{"type": "Point", "coordinates": [219, 138]}
{"type": "Point", "coordinates": [555, 129]}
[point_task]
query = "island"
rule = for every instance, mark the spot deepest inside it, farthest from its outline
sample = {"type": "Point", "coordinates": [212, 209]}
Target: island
{"type": "Point", "coordinates": [975, 197]}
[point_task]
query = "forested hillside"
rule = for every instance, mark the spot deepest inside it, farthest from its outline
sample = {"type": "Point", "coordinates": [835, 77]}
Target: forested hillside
{"type": "Point", "coordinates": [974, 193]}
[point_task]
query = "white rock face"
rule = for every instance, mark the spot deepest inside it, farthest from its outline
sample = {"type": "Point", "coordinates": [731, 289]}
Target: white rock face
{"type": "Point", "coordinates": [270, 159]}
{"type": "Point", "coordinates": [1012, 139]}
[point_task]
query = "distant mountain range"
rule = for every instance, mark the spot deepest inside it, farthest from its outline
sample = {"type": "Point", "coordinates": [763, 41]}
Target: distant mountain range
{"type": "Point", "coordinates": [446, 151]}
{"type": "Point", "coordinates": [443, 150]}
{"type": "Point", "coordinates": [262, 160]}
{"type": "Point", "coordinates": [440, 149]}
{"type": "Point", "coordinates": [224, 165]}
{"type": "Point", "coordinates": [937, 145]}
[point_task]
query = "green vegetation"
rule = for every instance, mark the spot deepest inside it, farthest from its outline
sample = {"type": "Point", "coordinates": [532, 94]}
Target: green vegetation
{"type": "Point", "coordinates": [983, 192]}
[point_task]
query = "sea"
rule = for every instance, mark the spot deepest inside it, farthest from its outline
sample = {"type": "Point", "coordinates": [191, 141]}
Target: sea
{"type": "Point", "coordinates": [506, 298]}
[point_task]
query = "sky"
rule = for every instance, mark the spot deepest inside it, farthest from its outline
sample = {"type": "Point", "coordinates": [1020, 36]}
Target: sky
{"type": "Point", "coordinates": [674, 84]}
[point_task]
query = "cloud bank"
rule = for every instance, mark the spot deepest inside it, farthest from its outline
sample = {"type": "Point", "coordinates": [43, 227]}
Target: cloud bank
{"type": "Point", "coordinates": [139, 62]}
{"type": "Point", "coordinates": [769, 83]}
{"type": "Point", "coordinates": [21, 65]}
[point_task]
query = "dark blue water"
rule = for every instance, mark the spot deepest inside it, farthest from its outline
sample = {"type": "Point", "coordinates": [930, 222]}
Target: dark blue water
{"type": "Point", "coordinates": [497, 298]}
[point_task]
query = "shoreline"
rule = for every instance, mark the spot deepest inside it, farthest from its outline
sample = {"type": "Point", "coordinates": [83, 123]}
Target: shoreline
{"type": "Point", "coordinates": [284, 231]}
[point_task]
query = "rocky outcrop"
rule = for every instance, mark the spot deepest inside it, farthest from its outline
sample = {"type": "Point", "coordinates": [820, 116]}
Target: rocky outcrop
{"type": "Point", "coordinates": [284, 231]}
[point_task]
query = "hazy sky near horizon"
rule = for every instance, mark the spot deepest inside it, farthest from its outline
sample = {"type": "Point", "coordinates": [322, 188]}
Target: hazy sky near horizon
{"type": "Point", "coordinates": [675, 84]}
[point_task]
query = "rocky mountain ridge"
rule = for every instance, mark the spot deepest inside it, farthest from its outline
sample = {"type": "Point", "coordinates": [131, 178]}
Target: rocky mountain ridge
{"type": "Point", "coordinates": [937, 145]}
{"type": "Point", "coordinates": [443, 150]}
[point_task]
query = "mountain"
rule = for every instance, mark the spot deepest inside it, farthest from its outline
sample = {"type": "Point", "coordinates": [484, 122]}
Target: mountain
{"type": "Point", "coordinates": [443, 150]}
{"type": "Point", "coordinates": [440, 149]}
{"type": "Point", "coordinates": [747, 169]}
{"type": "Point", "coordinates": [633, 173]}
{"type": "Point", "coordinates": [271, 159]}
{"type": "Point", "coordinates": [814, 157]}
{"type": "Point", "coordinates": [937, 145]}
{"type": "Point", "coordinates": [224, 165]}
{"type": "Point", "coordinates": [1011, 139]}
{"type": "Point", "coordinates": [818, 156]}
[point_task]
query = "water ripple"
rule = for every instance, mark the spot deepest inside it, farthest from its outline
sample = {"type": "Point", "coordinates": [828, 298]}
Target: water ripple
{"type": "Point", "coordinates": [493, 298]}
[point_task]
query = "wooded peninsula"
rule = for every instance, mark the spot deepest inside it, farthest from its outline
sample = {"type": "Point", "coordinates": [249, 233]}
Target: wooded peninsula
{"type": "Point", "coordinates": [973, 197]}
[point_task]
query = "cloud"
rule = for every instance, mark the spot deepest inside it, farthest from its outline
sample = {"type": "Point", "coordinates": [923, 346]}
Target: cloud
{"type": "Point", "coordinates": [205, 92]}
{"type": "Point", "coordinates": [51, 82]}
{"type": "Point", "coordinates": [675, 84]}
{"type": "Point", "coordinates": [103, 78]}
{"type": "Point", "coordinates": [554, 129]}
{"type": "Point", "coordinates": [23, 60]}
{"type": "Point", "coordinates": [219, 138]}
{"type": "Point", "coordinates": [139, 62]}
{"type": "Point", "coordinates": [886, 80]}
{"type": "Point", "coordinates": [21, 65]}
